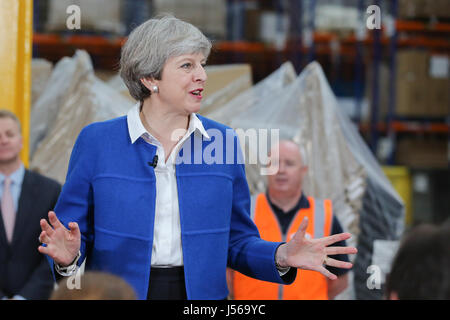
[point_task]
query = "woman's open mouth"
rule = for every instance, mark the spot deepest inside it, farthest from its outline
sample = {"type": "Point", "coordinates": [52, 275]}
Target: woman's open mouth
{"type": "Point", "coordinates": [197, 93]}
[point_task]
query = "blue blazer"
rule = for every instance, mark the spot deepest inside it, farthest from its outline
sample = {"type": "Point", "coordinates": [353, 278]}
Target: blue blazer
{"type": "Point", "coordinates": [110, 192]}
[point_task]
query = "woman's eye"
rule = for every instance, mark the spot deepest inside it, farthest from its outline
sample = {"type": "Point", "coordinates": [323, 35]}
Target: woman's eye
{"type": "Point", "coordinates": [186, 65]}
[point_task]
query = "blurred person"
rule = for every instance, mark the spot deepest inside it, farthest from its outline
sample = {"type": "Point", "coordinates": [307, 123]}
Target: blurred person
{"type": "Point", "coordinates": [167, 227]}
{"type": "Point", "coordinates": [26, 197]}
{"type": "Point", "coordinates": [94, 285]}
{"type": "Point", "coordinates": [277, 214]}
{"type": "Point", "coordinates": [421, 268]}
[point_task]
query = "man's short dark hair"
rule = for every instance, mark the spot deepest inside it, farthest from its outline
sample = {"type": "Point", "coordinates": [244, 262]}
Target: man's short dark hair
{"type": "Point", "coordinates": [421, 267]}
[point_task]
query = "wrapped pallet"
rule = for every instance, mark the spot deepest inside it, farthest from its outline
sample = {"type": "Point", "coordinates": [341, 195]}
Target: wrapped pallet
{"type": "Point", "coordinates": [41, 70]}
{"type": "Point", "coordinates": [65, 74]}
{"type": "Point", "coordinates": [254, 95]}
{"type": "Point", "coordinates": [224, 83]}
{"type": "Point", "coordinates": [74, 98]}
{"type": "Point", "coordinates": [341, 167]}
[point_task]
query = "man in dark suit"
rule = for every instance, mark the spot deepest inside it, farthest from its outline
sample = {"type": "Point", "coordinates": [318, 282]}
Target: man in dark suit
{"type": "Point", "coordinates": [26, 197]}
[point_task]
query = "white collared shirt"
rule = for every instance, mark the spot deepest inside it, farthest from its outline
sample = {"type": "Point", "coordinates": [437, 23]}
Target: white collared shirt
{"type": "Point", "coordinates": [167, 250]}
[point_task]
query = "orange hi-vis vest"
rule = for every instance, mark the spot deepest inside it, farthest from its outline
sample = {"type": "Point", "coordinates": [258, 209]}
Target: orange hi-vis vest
{"type": "Point", "coordinates": [309, 285]}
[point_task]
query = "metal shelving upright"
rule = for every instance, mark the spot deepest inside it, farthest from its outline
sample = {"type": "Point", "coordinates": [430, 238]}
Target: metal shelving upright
{"type": "Point", "coordinates": [358, 83]}
{"type": "Point", "coordinates": [391, 133]}
{"type": "Point", "coordinates": [375, 105]}
{"type": "Point", "coordinates": [295, 34]}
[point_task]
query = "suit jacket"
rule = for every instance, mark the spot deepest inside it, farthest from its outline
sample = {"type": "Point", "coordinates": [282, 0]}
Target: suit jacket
{"type": "Point", "coordinates": [110, 191]}
{"type": "Point", "coordinates": [23, 270]}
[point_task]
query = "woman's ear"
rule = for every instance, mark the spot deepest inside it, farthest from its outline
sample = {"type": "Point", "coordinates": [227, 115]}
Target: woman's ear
{"type": "Point", "coordinates": [148, 83]}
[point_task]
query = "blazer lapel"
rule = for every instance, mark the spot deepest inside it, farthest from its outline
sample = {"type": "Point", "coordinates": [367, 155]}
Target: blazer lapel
{"type": "Point", "coordinates": [25, 206]}
{"type": "Point", "coordinates": [3, 239]}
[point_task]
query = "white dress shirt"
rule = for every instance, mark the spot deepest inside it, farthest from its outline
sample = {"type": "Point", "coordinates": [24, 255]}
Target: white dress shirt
{"type": "Point", "coordinates": [167, 250]}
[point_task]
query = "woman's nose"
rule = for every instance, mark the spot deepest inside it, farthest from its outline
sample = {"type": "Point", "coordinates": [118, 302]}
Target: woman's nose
{"type": "Point", "coordinates": [200, 74]}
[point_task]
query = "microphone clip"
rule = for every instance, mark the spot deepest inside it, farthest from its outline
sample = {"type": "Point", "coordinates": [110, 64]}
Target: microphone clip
{"type": "Point", "coordinates": [154, 163]}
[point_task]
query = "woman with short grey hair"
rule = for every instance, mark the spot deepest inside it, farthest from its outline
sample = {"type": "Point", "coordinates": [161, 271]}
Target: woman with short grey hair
{"type": "Point", "coordinates": [141, 202]}
{"type": "Point", "coordinates": [151, 45]}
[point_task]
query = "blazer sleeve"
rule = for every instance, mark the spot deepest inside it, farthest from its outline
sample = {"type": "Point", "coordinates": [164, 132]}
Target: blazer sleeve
{"type": "Point", "coordinates": [75, 203]}
{"type": "Point", "coordinates": [39, 285]}
{"type": "Point", "coordinates": [247, 252]}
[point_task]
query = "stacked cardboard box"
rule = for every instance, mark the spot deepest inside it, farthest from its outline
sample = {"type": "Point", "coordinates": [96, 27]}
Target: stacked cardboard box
{"type": "Point", "coordinates": [422, 86]}
{"type": "Point", "coordinates": [420, 91]}
{"type": "Point", "coordinates": [224, 83]}
{"type": "Point", "coordinates": [208, 15]}
{"type": "Point", "coordinates": [412, 9]}
{"type": "Point", "coordinates": [410, 83]}
{"type": "Point", "coordinates": [423, 152]}
{"type": "Point", "coordinates": [439, 100]}
{"type": "Point", "coordinates": [95, 15]}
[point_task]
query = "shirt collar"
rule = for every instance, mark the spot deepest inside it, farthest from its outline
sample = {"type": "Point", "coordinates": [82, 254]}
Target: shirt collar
{"type": "Point", "coordinates": [136, 129]}
{"type": "Point", "coordinates": [196, 124]}
{"type": "Point", "coordinates": [303, 203]}
{"type": "Point", "coordinates": [16, 177]}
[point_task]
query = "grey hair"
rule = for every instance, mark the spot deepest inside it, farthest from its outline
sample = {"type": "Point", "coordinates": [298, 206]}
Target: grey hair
{"type": "Point", "coordinates": [151, 44]}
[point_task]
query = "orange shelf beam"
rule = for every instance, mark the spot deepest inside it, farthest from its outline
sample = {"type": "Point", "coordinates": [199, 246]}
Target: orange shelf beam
{"type": "Point", "coordinates": [404, 25]}
{"type": "Point", "coordinates": [409, 127]}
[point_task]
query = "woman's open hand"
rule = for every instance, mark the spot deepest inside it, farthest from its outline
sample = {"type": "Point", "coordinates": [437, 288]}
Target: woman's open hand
{"type": "Point", "coordinates": [62, 244]}
{"type": "Point", "coordinates": [312, 254]}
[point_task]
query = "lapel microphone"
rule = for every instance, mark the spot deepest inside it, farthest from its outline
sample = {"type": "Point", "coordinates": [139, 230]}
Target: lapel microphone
{"type": "Point", "coordinates": [154, 162]}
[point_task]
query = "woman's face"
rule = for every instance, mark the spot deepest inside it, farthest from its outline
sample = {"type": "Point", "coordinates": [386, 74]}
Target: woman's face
{"type": "Point", "coordinates": [182, 82]}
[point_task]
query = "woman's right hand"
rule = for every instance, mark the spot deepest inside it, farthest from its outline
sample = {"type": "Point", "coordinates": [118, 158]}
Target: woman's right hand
{"type": "Point", "coordinates": [62, 244]}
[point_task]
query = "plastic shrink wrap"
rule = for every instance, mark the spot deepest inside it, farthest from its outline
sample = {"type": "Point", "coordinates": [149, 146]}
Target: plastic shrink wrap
{"type": "Point", "coordinates": [340, 165]}
{"type": "Point", "coordinates": [302, 108]}
{"type": "Point", "coordinates": [72, 99]}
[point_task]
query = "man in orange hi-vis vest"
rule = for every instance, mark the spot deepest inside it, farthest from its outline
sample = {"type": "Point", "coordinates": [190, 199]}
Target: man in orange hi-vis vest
{"type": "Point", "coordinates": [278, 215]}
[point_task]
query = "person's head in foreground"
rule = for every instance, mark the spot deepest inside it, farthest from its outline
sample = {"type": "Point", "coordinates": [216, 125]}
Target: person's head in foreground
{"type": "Point", "coordinates": [94, 285]}
{"type": "Point", "coordinates": [421, 267]}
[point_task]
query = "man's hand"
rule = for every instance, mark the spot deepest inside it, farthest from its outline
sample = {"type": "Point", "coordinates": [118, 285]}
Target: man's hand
{"type": "Point", "coordinates": [62, 244]}
{"type": "Point", "coordinates": [312, 254]}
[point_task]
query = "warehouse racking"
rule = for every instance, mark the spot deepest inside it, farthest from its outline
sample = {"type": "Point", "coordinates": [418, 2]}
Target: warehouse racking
{"type": "Point", "coordinates": [304, 43]}
{"type": "Point", "coordinates": [354, 62]}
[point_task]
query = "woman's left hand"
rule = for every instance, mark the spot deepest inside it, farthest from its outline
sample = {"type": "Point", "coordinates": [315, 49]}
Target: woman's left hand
{"type": "Point", "coordinates": [312, 254]}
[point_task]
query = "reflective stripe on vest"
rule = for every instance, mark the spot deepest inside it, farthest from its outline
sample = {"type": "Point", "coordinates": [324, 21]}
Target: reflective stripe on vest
{"type": "Point", "coordinates": [309, 284]}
